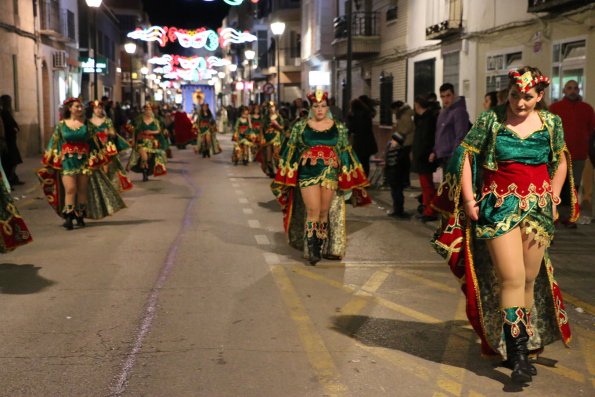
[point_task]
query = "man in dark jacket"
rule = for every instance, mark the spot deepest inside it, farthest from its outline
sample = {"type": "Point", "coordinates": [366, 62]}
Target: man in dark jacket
{"type": "Point", "coordinates": [423, 143]}
{"type": "Point", "coordinates": [11, 157]}
{"type": "Point", "coordinates": [359, 123]}
{"type": "Point", "coordinates": [452, 125]}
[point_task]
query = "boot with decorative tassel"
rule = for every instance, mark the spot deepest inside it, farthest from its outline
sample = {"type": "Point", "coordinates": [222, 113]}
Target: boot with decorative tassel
{"type": "Point", "coordinates": [322, 234]}
{"type": "Point", "coordinates": [312, 242]}
{"type": "Point", "coordinates": [68, 216]}
{"type": "Point", "coordinates": [80, 212]}
{"type": "Point", "coordinates": [532, 369]}
{"type": "Point", "coordinates": [516, 338]}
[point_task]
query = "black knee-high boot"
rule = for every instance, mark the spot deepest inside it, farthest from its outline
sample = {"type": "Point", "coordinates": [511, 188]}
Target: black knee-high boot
{"type": "Point", "coordinates": [322, 234]}
{"type": "Point", "coordinates": [80, 213]}
{"type": "Point", "coordinates": [312, 242]}
{"type": "Point", "coordinates": [516, 337]}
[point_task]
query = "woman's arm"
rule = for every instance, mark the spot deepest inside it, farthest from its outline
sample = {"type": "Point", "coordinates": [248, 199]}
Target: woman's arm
{"type": "Point", "coordinates": [467, 194]}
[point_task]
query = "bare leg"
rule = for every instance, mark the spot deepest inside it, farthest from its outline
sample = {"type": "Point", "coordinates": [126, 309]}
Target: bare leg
{"type": "Point", "coordinates": [69, 182]}
{"type": "Point", "coordinates": [533, 256]}
{"type": "Point", "coordinates": [312, 200]}
{"type": "Point", "coordinates": [326, 199]}
{"type": "Point", "coordinates": [506, 252]}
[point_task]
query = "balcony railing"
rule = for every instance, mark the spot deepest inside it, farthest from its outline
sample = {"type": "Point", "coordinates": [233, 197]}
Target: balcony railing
{"type": "Point", "coordinates": [444, 19]}
{"type": "Point", "coordinates": [57, 22]}
{"type": "Point", "coordinates": [555, 5]}
{"type": "Point", "coordinates": [362, 24]}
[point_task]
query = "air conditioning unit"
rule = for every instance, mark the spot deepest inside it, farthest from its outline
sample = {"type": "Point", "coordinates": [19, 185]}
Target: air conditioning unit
{"type": "Point", "coordinates": [59, 60]}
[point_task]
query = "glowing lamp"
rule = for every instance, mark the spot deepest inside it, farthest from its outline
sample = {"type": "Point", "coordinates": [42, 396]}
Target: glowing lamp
{"type": "Point", "coordinates": [144, 70]}
{"type": "Point", "coordinates": [240, 86]}
{"type": "Point", "coordinates": [233, 67]}
{"type": "Point", "coordinates": [130, 48]}
{"type": "Point", "coordinates": [278, 28]}
{"type": "Point", "coordinates": [94, 3]}
{"type": "Point", "coordinates": [221, 75]}
{"type": "Point", "coordinates": [250, 54]}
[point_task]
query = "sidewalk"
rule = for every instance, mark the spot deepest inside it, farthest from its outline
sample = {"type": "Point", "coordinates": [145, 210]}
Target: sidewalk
{"type": "Point", "coordinates": [31, 190]}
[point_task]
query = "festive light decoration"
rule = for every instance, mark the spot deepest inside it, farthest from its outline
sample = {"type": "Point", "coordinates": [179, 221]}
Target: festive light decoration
{"type": "Point", "coordinates": [199, 38]}
{"type": "Point", "coordinates": [169, 61]}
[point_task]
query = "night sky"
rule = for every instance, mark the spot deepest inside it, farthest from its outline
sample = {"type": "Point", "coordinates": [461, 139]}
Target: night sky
{"type": "Point", "coordinates": [186, 14]}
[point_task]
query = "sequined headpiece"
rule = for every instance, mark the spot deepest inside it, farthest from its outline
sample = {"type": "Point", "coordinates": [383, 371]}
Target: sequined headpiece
{"type": "Point", "coordinates": [96, 103]}
{"type": "Point", "coordinates": [70, 100]}
{"type": "Point", "coordinates": [526, 81]}
{"type": "Point", "coordinates": [317, 96]}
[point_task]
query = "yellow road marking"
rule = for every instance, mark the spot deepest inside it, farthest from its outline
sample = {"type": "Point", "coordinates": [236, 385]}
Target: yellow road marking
{"type": "Point", "coordinates": [426, 281]}
{"type": "Point", "coordinates": [318, 355]}
{"type": "Point", "coordinates": [579, 303]}
{"type": "Point", "coordinates": [565, 372]}
{"type": "Point", "coordinates": [587, 348]}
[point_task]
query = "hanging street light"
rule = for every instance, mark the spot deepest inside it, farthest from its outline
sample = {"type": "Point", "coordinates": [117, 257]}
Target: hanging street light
{"type": "Point", "coordinates": [130, 49]}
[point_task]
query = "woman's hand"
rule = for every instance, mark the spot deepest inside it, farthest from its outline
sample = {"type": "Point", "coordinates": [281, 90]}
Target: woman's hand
{"type": "Point", "coordinates": [471, 209]}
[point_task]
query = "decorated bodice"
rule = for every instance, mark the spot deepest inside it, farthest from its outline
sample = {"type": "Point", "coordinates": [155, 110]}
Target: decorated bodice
{"type": "Point", "coordinates": [152, 126]}
{"type": "Point", "coordinates": [102, 130]}
{"type": "Point", "coordinates": [532, 150]}
{"type": "Point", "coordinates": [312, 137]}
{"type": "Point", "coordinates": [81, 134]}
{"type": "Point", "coordinates": [256, 121]}
{"type": "Point", "coordinates": [243, 126]}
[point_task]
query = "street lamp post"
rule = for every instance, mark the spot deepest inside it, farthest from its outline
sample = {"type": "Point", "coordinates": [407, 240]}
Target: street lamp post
{"type": "Point", "coordinates": [250, 54]}
{"type": "Point", "coordinates": [95, 4]}
{"type": "Point", "coordinates": [144, 71]}
{"type": "Point", "coordinates": [130, 48]}
{"type": "Point", "coordinates": [278, 28]}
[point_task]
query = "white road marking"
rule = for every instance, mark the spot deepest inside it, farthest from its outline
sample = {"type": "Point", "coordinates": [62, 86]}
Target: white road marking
{"type": "Point", "coordinates": [271, 258]}
{"type": "Point", "coordinates": [254, 224]}
{"type": "Point", "coordinates": [243, 200]}
{"type": "Point", "coordinates": [239, 192]}
{"type": "Point", "coordinates": [248, 211]}
{"type": "Point", "coordinates": [262, 239]}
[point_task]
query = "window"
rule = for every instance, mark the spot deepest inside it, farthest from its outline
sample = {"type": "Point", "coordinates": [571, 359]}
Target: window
{"type": "Point", "coordinates": [569, 62]}
{"type": "Point", "coordinates": [497, 68]}
{"type": "Point", "coordinates": [295, 49]}
{"type": "Point", "coordinates": [450, 69]}
{"type": "Point", "coordinates": [392, 14]}
{"type": "Point", "coordinates": [15, 82]}
{"type": "Point", "coordinates": [262, 48]}
{"type": "Point", "coordinates": [70, 25]}
{"type": "Point", "coordinates": [424, 81]}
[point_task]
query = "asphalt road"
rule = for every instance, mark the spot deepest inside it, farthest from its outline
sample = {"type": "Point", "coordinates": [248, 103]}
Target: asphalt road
{"type": "Point", "coordinates": [193, 291]}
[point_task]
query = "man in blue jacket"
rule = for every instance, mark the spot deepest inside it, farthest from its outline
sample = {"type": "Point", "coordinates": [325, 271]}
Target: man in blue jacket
{"type": "Point", "coordinates": [452, 125]}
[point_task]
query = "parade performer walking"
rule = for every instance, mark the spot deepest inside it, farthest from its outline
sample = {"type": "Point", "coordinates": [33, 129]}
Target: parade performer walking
{"type": "Point", "coordinates": [270, 140]}
{"type": "Point", "coordinates": [207, 143]}
{"type": "Point", "coordinates": [72, 180]}
{"type": "Point", "coordinates": [148, 155]}
{"type": "Point", "coordinates": [317, 167]}
{"type": "Point", "coordinates": [103, 128]}
{"type": "Point", "coordinates": [497, 227]}
{"type": "Point", "coordinates": [242, 138]}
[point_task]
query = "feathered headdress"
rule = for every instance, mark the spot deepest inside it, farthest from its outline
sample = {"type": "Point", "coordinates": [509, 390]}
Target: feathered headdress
{"type": "Point", "coordinates": [526, 81]}
{"type": "Point", "coordinates": [317, 96]}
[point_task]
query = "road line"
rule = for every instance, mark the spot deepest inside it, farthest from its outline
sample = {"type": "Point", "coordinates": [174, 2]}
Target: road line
{"type": "Point", "coordinates": [423, 280]}
{"type": "Point", "coordinates": [240, 192]}
{"type": "Point", "coordinates": [318, 355]}
{"type": "Point", "coordinates": [587, 348]}
{"type": "Point", "coordinates": [243, 200]}
{"type": "Point", "coordinates": [248, 211]}
{"type": "Point", "coordinates": [150, 308]}
{"type": "Point", "coordinates": [565, 372]}
{"type": "Point", "coordinates": [271, 258]}
{"type": "Point", "coordinates": [235, 185]}
{"type": "Point", "coordinates": [262, 239]}
{"type": "Point", "coordinates": [579, 303]}
{"type": "Point", "coordinates": [357, 303]}
{"type": "Point", "coordinates": [254, 223]}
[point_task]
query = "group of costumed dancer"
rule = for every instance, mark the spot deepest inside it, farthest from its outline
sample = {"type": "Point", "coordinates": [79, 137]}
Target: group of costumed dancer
{"type": "Point", "coordinates": [206, 141]}
{"type": "Point", "coordinates": [498, 202]}
{"type": "Point", "coordinates": [258, 136]}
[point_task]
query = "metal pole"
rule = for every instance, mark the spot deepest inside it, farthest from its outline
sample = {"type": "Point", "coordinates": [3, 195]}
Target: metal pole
{"type": "Point", "coordinates": [95, 53]}
{"type": "Point", "coordinates": [349, 12]}
{"type": "Point", "coordinates": [278, 72]}
{"type": "Point", "coordinates": [131, 87]}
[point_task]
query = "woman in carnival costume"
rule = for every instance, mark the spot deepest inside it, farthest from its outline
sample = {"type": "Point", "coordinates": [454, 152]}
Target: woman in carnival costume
{"type": "Point", "coordinates": [206, 143]}
{"type": "Point", "coordinates": [257, 120]}
{"type": "Point", "coordinates": [14, 232]}
{"type": "Point", "coordinates": [270, 140]}
{"type": "Point", "coordinates": [242, 137]}
{"type": "Point", "coordinates": [498, 201]}
{"type": "Point", "coordinates": [72, 179]}
{"type": "Point", "coordinates": [103, 128]}
{"type": "Point", "coordinates": [317, 166]}
{"type": "Point", "coordinates": [148, 155]}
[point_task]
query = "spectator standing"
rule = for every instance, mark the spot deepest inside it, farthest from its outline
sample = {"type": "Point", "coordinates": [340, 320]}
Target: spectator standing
{"type": "Point", "coordinates": [11, 157]}
{"type": "Point", "coordinates": [404, 126]}
{"type": "Point", "coordinates": [335, 110]}
{"type": "Point", "coordinates": [578, 121]}
{"type": "Point", "coordinates": [452, 125]}
{"type": "Point", "coordinates": [359, 122]}
{"type": "Point", "coordinates": [423, 142]}
{"type": "Point", "coordinates": [396, 171]}
{"type": "Point", "coordinates": [490, 101]}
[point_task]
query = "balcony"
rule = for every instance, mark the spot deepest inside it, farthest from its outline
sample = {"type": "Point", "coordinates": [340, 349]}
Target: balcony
{"type": "Point", "coordinates": [555, 5]}
{"type": "Point", "coordinates": [56, 22]}
{"type": "Point", "coordinates": [365, 35]}
{"type": "Point", "coordinates": [444, 19]}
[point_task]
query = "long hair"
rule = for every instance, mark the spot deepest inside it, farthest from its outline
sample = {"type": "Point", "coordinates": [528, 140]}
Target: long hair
{"type": "Point", "coordinates": [6, 103]}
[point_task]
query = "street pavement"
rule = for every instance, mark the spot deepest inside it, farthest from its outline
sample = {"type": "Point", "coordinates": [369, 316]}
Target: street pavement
{"type": "Point", "coordinates": [193, 291]}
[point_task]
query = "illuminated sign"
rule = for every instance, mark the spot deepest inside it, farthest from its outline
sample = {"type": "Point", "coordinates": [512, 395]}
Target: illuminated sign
{"type": "Point", "coordinates": [198, 38]}
{"type": "Point", "coordinates": [88, 63]}
{"type": "Point", "coordinates": [168, 62]}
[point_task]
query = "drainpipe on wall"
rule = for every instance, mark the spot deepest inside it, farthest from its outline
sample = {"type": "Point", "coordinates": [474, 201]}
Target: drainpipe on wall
{"type": "Point", "coordinates": [37, 59]}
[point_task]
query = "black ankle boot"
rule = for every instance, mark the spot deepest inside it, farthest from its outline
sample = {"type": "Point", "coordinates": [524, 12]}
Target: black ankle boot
{"type": "Point", "coordinates": [68, 217]}
{"type": "Point", "coordinates": [145, 174]}
{"type": "Point", "coordinates": [313, 250]}
{"type": "Point", "coordinates": [516, 337]}
{"type": "Point", "coordinates": [79, 215]}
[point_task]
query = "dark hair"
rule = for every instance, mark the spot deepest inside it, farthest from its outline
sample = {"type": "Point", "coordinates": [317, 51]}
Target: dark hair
{"type": "Point", "coordinates": [66, 113]}
{"type": "Point", "coordinates": [396, 104]}
{"type": "Point", "coordinates": [446, 87]}
{"type": "Point", "coordinates": [422, 101]}
{"type": "Point", "coordinates": [432, 97]}
{"type": "Point", "coordinates": [6, 102]}
{"type": "Point", "coordinates": [493, 98]}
